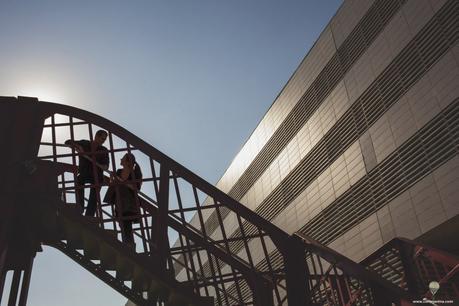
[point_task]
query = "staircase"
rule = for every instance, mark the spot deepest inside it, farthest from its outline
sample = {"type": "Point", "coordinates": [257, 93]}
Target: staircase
{"type": "Point", "coordinates": [136, 276]}
{"type": "Point", "coordinates": [412, 266]}
{"type": "Point", "coordinates": [259, 265]}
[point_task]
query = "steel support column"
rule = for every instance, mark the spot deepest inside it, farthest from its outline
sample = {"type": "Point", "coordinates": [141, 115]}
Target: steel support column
{"type": "Point", "coordinates": [160, 237]}
{"type": "Point", "coordinates": [409, 271]}
{"type": "Point", "coordinates": [14, 289]}
{"type": "Point", "coordinates": [3, 269]}
{"type": "Point", "coordinates": [296, 272]}
{"type": "Point", "coordinates": [381, 298]}
{"type": "Point", "coordinates": [26, 283]}
{"type": "Point", "coordinates": [19, 287]}
{"type": "Point", "coordinates": [262, 292]}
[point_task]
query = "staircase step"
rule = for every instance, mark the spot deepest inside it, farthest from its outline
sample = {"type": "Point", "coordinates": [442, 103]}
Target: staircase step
{"type": "Point", "coordinates": [124, 268]}
{"type": "Point", "coordinates": [51, 226]}
{"type": "Point", "coordinates": [177, 300]}
{"type": "Point", "coordinates": [73, 234]}
{"type": "Point", "coordinates": [93, 220]}
{"type": "Point", "coordinates": [159, 290]}
{"type": "Point", "coordinates": [205, 301]}
{"type": "Point", "coordinates": [92, 248]}
{"type": "Point", "coordinates": [111, 233]}
{"type": "Point", "coordinates": [124, 274]}
{"type": "Point", "coordinates": [76, 245]}
{"type": "Point", "coordinates": [140, 280]}
{"type": "Point", "coordinates": [107, 257]}
{"type": "Point", "coordinates": [73, 209]}
{"type": "Point", "coordinates": [152, 299]}
{"type": "Point", "coordinates": [142, 270]}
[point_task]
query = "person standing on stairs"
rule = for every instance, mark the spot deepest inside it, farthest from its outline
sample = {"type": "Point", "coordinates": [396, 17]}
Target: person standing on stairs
{"type": "Point", "coordinates": [93, 160]}
{"type": "Point", "coordinates": [123, 194]}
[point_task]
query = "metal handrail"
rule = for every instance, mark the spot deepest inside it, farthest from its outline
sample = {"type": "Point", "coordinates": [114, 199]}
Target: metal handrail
{"type": "Point", "coordinates": [411, 254]}
{"type": "Point", "coordinates": [354, 269]}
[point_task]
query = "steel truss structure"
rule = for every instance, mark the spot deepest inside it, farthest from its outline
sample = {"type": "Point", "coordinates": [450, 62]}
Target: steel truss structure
{"type": "Point", "coordinates": [262, 265]}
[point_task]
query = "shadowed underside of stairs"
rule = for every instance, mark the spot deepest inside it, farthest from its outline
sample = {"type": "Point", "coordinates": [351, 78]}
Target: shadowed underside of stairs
{"type": "Point", "coordinates": [101, 253]}
{"type": "Point", "coordinates": [260, 265]}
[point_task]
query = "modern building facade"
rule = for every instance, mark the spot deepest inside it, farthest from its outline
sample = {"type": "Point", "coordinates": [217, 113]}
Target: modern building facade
{"type": "Point", "coordinates": [361, 145]}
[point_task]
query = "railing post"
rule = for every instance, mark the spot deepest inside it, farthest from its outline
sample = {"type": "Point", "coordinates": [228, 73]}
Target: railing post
{"type": "Point", "coordinates": [406, 257]}
{"type": "Point", "coordinates": [381, 298]}
{"type": "Point", "coordinates": [160, 236]}
{"type": "Point", "coordinates": [262, 292]}
{"type": "Point", "coordinates": [26, 283]}
{"type": "Point", "coordinates": [14, 288]}
{"type": "Point", "coordinates": [19, 288]}
{"type": "Point", "coordinates": [21, 141]}
{"type": "Point", "coordinates": [3, 270]}
{"type": "Point", "coordinates": [297, 273]}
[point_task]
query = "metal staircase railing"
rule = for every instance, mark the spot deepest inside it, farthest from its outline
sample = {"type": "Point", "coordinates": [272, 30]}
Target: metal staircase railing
{"type": "Point", "coordinates": [412, 266]}
{"type": "Point", "coordinates": [170, 195]}
{"type": "Point", "coordinates": [261, 265]}
{"type": "Point", "coordinates": [336, 280]}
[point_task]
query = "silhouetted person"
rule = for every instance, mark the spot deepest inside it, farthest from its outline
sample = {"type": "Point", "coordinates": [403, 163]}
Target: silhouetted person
{"type": "Point", "coordinates": [123, 193]}
{"type": "Point", "coordinates": [88, 172]}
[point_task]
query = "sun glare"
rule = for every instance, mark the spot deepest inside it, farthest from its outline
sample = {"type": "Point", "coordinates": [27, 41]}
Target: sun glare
{"type": "Point", "coordinates": [44, 87]}
{"type": "Point", "coordinates": [43, 93]}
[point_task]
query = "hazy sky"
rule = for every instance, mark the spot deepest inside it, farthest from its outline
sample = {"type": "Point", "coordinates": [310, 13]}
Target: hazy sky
{"type": "Point", "coordinates": [191, 77]}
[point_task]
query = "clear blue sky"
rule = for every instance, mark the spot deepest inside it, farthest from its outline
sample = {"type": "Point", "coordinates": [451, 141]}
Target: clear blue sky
{"type": "Point", "coordinates": [193, 78]}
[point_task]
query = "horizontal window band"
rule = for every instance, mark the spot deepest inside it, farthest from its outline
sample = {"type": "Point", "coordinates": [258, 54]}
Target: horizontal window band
{"type": "Point", "coordinates": [393, 176]}
{"type": "Point", "coordinates": [334, 144]}
{"type": "Point", "coordinates": [429, 154]}
{"type": "Point", "coordinates": [355, 120]}
{"type": "Point", "coordinates": [376, 18]}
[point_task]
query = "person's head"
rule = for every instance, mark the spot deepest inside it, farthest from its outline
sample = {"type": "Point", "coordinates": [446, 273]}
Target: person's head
{"type": "Point", "coordinates": [128, 160]}
{"type": "Point", "coordinates": [100, 137]}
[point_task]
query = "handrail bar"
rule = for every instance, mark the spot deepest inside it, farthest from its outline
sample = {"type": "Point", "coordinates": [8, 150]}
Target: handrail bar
{"type": "Point", "coordinates": [352, 268]}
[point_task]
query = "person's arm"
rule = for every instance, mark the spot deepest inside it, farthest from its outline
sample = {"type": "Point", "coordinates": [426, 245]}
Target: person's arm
{"type": "Point", "coordinates": [74, 144]}
{"type": "Point", "coordinates": [105, 160]}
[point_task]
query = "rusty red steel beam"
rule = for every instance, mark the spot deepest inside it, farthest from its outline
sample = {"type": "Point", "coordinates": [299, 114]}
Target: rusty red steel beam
{"type": "Point", "coordinates": [48, 108]}
{"type": "Point", "coordinates": [436, 255]}
{"type": "Point", "coordinates": [209, 245]}
{"type": "Point", "coordinates": [45, 109]}
{"type": "Point", "coordinates": [353, 269]}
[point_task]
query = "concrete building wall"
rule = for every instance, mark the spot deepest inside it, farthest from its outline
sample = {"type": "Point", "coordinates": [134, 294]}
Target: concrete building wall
{"type": "Point", "coordinates": [362, 143]}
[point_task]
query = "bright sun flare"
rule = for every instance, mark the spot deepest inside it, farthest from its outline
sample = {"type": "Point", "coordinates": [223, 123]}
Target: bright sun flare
{"type": "Point", "coordinates": [44, 91]}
